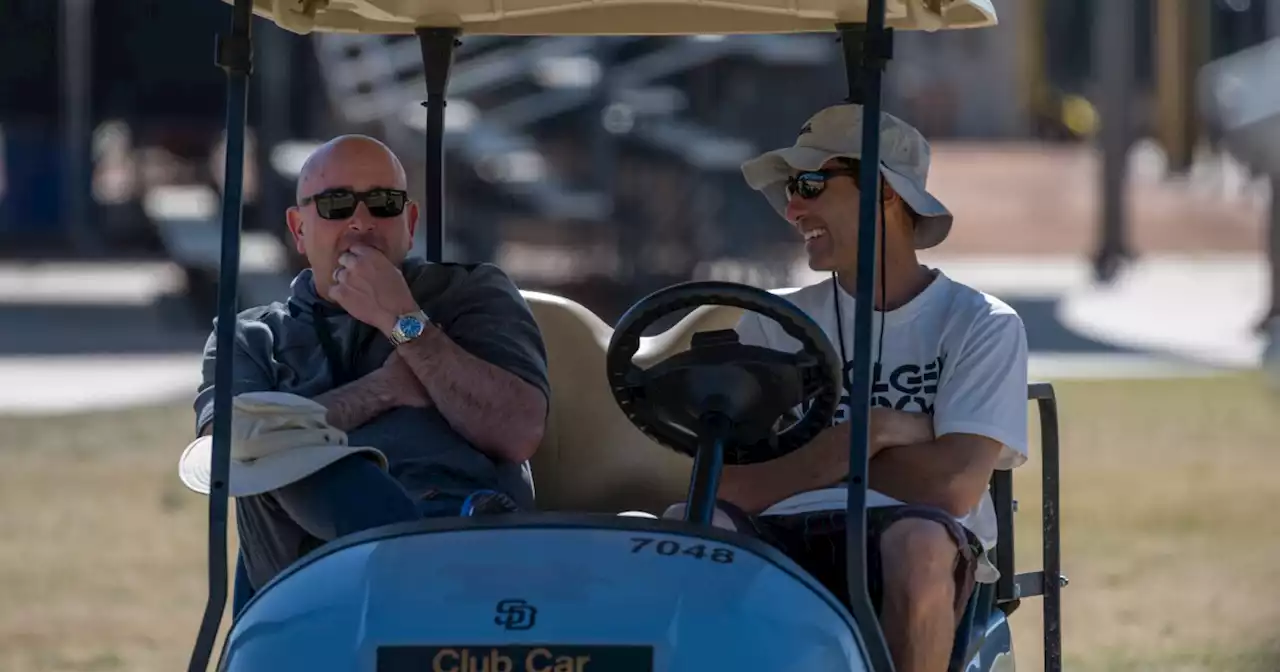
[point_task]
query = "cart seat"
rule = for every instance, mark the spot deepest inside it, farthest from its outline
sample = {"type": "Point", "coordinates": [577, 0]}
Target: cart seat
{"type": "Point", "coordinates": [592, 458]}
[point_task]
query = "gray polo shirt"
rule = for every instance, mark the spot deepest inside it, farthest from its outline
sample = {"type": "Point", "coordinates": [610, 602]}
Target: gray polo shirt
{"type": "Point", "coordinates": [279, 348]}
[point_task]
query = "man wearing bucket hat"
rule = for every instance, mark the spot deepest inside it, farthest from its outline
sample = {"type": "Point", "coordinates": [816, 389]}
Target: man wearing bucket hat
{"type": "Point", "coordinates": [948, 392]}
{"type": "Point", "coordinates": [384, 389]}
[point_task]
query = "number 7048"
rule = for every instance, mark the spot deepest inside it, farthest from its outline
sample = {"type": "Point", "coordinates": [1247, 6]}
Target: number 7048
{"type": "Point", "coordinates": [671, 547]}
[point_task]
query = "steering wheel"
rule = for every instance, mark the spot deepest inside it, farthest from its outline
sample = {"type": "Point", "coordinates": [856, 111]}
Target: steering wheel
{"type": "Point", "coordinates": [720, 388]}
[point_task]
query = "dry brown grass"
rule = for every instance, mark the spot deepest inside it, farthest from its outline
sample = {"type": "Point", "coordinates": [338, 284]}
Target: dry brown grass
{"type": "Point", "coordinates": [103, 562]}
{"type": "Point", "coordinates": [1170, 535]}
{"type": "Point", "coordinates": [1170, 490]}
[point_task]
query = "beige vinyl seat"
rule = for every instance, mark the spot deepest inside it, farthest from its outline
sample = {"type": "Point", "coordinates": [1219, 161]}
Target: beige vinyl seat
{"type": "Point", "coordinates": [592, 458]}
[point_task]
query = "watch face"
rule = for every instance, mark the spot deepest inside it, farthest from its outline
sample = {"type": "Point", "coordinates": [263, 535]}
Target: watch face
{"type": "Point", "coordinates": [411, 327]}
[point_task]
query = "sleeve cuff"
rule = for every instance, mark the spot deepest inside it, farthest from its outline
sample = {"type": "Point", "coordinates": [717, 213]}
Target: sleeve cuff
{"type": "Point", "coordinates": [1014, 452]}
{"type": "Point", "coordinates": [204, 417]}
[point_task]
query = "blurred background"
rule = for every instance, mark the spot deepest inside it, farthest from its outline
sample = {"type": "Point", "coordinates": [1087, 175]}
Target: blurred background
{"type": "Point", "coordinates": [1111, 165]}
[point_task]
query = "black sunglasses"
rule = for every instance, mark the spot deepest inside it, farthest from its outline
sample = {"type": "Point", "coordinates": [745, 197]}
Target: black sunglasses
{"type": "Point", "coordinates": [342, 203]}
{"type": "Point", "coordinates": [809, 184]}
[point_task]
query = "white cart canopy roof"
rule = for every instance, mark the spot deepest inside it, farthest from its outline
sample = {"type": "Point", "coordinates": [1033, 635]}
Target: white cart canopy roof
{"type": "Point", "coordinates": [615, 17]}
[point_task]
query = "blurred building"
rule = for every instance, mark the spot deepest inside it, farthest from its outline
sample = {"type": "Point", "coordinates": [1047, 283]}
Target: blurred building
{"type": "Point", "coordinates": [578, 163]}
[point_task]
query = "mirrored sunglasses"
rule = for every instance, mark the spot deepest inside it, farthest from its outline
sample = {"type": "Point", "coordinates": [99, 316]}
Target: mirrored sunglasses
{"type": "Point", "coordinates": [810, 184]}
{"type": "Point", "coordinates": [342, 203]}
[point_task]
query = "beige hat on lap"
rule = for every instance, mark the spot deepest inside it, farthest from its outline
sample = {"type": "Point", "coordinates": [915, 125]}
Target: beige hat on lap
{"type": "Point", "coordinates": [276, 439]}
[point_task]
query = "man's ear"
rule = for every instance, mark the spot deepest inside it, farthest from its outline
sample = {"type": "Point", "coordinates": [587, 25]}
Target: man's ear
{"type": "Point", "coordinates": [293, 218]}
{"type": "Point", "coordinates": [413, 217]}
{"type": "Point", "coordinates": [887, 193]}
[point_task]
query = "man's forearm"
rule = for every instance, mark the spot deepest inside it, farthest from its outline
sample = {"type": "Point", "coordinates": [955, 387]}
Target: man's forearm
{"type": "Point", "coordinates": [352, 404]}
{"type": "Point", "coordinates": [359, 401]}
{"type": "Point", "coordinates": [501, 414]}
{"type": "Point", "coordinates": [933, 473]}
{"type": "Point", "coordinates": [822, 463]}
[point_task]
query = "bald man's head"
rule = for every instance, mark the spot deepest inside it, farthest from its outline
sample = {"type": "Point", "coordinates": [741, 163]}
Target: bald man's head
{"type": "Point", "coordinates": [344, 168]}
{"type": "Point", "coordinates": [331, 162]}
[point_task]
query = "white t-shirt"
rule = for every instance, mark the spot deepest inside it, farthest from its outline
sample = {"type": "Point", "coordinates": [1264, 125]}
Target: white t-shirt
{"type": "Point", "coordinates": [953, 352]}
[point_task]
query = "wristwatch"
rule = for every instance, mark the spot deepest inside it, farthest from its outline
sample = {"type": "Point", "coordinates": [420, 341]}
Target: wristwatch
{"type": "Point", "coordinates": [409, 326]}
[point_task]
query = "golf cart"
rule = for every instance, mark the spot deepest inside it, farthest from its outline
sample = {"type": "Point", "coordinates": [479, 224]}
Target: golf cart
{"type": "Point", "coordinates": [636, 423]}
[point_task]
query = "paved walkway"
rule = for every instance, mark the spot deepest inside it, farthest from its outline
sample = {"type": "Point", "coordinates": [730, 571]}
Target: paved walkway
{"type": "Point", "coordinates": [1203, 311]}
{"type": "Point", "coordinates": [91, 382]}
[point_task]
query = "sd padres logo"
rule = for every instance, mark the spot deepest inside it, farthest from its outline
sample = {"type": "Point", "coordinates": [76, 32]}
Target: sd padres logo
{"type": "Point", "coordinates": [516, 614]}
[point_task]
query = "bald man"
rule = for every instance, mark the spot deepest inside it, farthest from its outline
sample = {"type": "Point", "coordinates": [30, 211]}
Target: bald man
{"type": "Point", "coordinates": [439, 366]}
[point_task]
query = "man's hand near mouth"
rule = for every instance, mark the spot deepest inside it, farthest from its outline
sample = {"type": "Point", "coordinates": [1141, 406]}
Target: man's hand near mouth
{"type": "Point", "coordinates": [371, 288]}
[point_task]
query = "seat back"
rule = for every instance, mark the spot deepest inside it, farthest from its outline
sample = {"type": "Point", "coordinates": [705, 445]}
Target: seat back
{"type": "Point", "coordinates": [592, 458]}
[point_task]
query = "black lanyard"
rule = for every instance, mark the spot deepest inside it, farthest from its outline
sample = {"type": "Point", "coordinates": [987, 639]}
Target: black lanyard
{"type": "Point", "coordinates": [343, 372]}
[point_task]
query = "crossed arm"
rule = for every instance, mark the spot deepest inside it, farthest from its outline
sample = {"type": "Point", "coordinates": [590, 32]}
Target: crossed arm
{"type": "Point", "coordinates": [981, 395]}
{"type": "Point", "coordinates": [353, 404]}
{"type": "Point", "coordinates": [367, 397]}
{"type": "Point", "coordinates": [497, 411]}
{"type": "Point", "coordinates": [950, 472]}
{"type": "Point", "coordinates": [906, 462]}
{"type": "Point", "coordinates": [501, 413]}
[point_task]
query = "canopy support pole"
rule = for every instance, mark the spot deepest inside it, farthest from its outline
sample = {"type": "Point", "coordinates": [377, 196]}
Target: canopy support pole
{"type": "Point", "coordinates": [77, 124]}
{"type": "Point", "coordinates": [867, 50]}
{"type": "Point", "coordinates": [234, 54]}
{"type": "Point", "coordinates": [438, 46]}
{"type": "Point", "coordinates": [1273, 239]}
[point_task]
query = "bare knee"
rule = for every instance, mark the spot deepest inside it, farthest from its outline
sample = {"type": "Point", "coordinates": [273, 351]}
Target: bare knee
{"type": "Point", "coordinates": [919, 560]}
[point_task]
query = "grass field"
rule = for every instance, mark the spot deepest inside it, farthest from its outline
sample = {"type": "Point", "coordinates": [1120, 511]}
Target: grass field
{"type": "Point", "coordinates": [1169, 501]}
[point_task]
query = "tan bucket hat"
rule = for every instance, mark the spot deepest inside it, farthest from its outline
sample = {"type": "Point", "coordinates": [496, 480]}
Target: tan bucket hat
{"type": "Point", "coordinates": [836, 131]}
{"type": "Point", "coordinates": [276, 439]}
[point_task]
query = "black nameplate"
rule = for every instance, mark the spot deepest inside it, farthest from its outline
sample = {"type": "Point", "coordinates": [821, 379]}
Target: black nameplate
{"type": "Point", "coordinates": [516, 658]}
